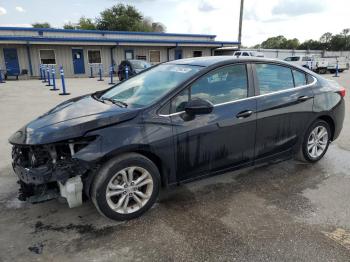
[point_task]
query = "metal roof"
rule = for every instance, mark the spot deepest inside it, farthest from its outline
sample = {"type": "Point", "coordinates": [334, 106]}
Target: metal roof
{"type": "Point", "coordinates": [28, 39]}
{"type": "Point", "coordinates": [102, 32]}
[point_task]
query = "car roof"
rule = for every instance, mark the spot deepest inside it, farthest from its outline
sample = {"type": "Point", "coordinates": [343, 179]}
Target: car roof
{"type": "Point", "coordinates": [206, 61]}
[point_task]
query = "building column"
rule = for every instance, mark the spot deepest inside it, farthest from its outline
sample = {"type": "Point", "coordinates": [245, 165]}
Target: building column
{"type": "Point", "coordinates": [29, 59]}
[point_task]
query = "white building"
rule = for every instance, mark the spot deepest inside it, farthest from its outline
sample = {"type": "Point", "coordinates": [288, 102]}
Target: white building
{"type": "Point", "coordinates": [24, 49]}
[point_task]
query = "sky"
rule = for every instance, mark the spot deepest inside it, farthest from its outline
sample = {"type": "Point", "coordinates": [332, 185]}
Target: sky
{"type": "Point", "coordinates": [302, 19]}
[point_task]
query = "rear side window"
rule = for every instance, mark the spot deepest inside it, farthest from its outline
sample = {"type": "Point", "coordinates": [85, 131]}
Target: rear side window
{"type": "Point", "coordinates": [245, 54]}
{"type": "Point", "coordinates": [310, 79]}
{"type": "Point", "coordinates": [299, 78]}
{"type": "Point", "coordinates": [273, 78]}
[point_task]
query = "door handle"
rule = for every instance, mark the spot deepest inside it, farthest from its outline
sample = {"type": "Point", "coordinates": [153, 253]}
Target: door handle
{"type": "Point", "coordinates": [304, 98]}
{"type": "Point", "coordinates": [244, 114]}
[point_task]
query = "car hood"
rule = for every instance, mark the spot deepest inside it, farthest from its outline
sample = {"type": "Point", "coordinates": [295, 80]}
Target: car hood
{"type": "Point", "coordinates": [71, 119]}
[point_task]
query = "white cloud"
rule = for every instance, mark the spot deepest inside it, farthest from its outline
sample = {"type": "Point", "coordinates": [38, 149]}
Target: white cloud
{"type": "Point", "coordinates": [20, 9]}
{"type": "Point", "coordinates": [298, 7]}
{"type": "Point", "coordinates": [205, 6]}
{"type": "Point", "coordinates": [2, 11]}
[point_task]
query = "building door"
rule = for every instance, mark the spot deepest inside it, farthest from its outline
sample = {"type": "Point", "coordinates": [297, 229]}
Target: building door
{"type": "Point", "coordinates": [11, 61]}
{"type": "Point", "coordinates": [78, 61]}
{"type": "Point", "coordinates": [178, 54]}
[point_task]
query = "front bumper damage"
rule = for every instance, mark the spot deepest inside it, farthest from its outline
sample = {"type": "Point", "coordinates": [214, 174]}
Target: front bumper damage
{"type": "Point", "coordinates": [51, 171]}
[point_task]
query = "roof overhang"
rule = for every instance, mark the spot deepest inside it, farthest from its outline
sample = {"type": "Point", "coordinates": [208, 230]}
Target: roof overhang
{"type": "Point", "coordinates": [110, 41]}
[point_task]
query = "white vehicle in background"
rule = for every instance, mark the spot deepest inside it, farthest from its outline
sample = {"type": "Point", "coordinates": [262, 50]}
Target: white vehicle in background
{"type": "Point", "coordinates": [318, 64]}
{"type": "Point", "coordinates": [242, 53]}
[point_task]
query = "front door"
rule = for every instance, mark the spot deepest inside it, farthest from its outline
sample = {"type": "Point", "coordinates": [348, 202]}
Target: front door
{"type": "Point", "coordinates": [78, 61]}
{"type": "Point", "coordinates": [284, 107]}
{"type": "Point", "coordinates": [11, 61]}
{"type": "Point", "coordinates": [178, 54]}
{"type": "Point", "coordinates": [222, 139]}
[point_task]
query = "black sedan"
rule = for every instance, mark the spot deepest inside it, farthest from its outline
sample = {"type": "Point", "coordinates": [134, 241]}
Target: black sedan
{"type": "Point", "coordinates": [173, 123]}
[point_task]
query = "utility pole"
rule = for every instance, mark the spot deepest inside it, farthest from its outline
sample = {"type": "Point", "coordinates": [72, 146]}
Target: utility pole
{"type": "Point", "coordinates": [240, 24]}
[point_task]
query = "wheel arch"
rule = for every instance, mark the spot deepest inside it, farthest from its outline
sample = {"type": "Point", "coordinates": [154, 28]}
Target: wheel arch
{"type": "Point", "coordinates": [329, 120]}
{"type": "Point", "coordinates": [139, 149]}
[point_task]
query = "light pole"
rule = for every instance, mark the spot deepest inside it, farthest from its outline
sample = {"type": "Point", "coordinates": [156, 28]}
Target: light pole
{"type": "Point", "coordinates": [240, 24]}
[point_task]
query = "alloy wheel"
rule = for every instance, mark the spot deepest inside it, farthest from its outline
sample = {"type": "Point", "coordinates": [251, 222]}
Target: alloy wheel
{"type": "Point", "coordinates": [129, 190]}
{"type": "Point", "coordinates": [317, 142]}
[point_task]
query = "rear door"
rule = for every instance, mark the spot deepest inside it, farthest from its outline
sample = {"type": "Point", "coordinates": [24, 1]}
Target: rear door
{"type": "Point", "coordinates": [284, 108]}
{"type": "Point", "coordinates": [223, 139]}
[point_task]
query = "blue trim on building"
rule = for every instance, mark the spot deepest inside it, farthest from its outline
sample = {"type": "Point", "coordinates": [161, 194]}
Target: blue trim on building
{"type": "Point", "coordinates": [97, 40]}
{"type": "Point", "coordinates": [100, 32]}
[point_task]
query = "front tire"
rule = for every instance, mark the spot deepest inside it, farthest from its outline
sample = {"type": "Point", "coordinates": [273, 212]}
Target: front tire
{"type": "Point", "coordinates": [126, 187]}
{"type": "Point", "coordinates": [315, 143]}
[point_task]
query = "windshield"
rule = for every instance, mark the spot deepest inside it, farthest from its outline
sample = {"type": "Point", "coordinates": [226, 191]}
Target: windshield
{"type": "Point", "coordinates": [145, 88]}
{"type": "Point", "coordinates": [137, 64]}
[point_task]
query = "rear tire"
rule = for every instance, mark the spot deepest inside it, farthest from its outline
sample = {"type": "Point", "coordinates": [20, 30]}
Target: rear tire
{"type": "Point", "coordinates": [126, 187]}
{"type": "Point", "coordinates": [315, 143]}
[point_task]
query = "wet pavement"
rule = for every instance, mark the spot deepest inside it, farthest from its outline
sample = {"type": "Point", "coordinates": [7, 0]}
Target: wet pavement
{"type": "Point", "coordinates": [288, 211]}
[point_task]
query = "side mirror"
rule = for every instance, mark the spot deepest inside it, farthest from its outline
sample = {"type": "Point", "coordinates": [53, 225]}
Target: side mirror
{"type": "Point", "coordinates": [198, 106]}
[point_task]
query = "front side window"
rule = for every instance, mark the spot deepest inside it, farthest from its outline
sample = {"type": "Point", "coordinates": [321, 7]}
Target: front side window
{"type": "Point", "coordinates": [47, 57]}
{"type": "Point", "coordinates": [299, 78]}
{"type": "Point", "coordinates": [245, 54]}
{"type": "Point", "coordinates": [273, 78]}
{"type": "Point", "coordinates": [94, 56]}
{"type": "Point", "coordinates": [222, 85]}
{"type": "Point", "coordinates": [145, 88]}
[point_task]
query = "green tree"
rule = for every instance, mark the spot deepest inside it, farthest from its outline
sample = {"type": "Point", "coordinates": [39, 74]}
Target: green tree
{"type": "Point", "coordinates": [338, 42]}
{"type": "Point", "coordinates": [86, 24]}
{"type": "Point", "coordinates": [83, 24]}
{"type": "Point", "coordinates": [311, 45]}
{"type": "Point", "coordinates": [41, 25]}
{"type": "Point", "coordinates": [291, 44]}
{"type": "Point", "coordinates": [122, 17]}
{"type": "Point", "coordinates": [69, 25]}
{"type": "Point", "coordinates": [276, 42]}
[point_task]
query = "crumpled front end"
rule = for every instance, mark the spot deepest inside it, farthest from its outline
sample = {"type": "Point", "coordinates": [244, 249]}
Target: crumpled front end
{"type": "Point", "coordinates": [49, 171]}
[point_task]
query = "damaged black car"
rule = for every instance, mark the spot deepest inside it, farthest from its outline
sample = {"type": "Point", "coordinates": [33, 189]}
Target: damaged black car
{"type": "Point", "coordinates": [174, 123]}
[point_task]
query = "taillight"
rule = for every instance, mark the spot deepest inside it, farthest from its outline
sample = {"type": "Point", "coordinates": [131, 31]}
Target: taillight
{"type": "Point", "coordinates": [342, 92]}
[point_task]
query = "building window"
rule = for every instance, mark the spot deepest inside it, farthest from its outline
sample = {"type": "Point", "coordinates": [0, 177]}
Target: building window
{"type": "Point", "coordinates": [129, 54]}
{"type": "Point", "coordinates": [197, 53]}
{"type": "Point", "coordinates": [94, 56]}
{"type": "Point", "coordinates": [141, 57]}
{"type": "Point", "coordinates": [154, 56]}
{"type": "Point", "coordinates": [47, 57]}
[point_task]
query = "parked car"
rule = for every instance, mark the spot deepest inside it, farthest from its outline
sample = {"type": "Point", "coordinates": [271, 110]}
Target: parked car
{"type": "Point", "coordinates": [248, 53]}
{"type": "Point", "coordinates": [318, 64]}
{"type": "Point", "coordinates": [134, 67]}
{"type": "Point", "coordinates": [174, 123]}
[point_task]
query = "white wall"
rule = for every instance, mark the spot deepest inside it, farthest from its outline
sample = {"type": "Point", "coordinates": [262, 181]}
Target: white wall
{"type": "Point", "coordinates": [64, 56]}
